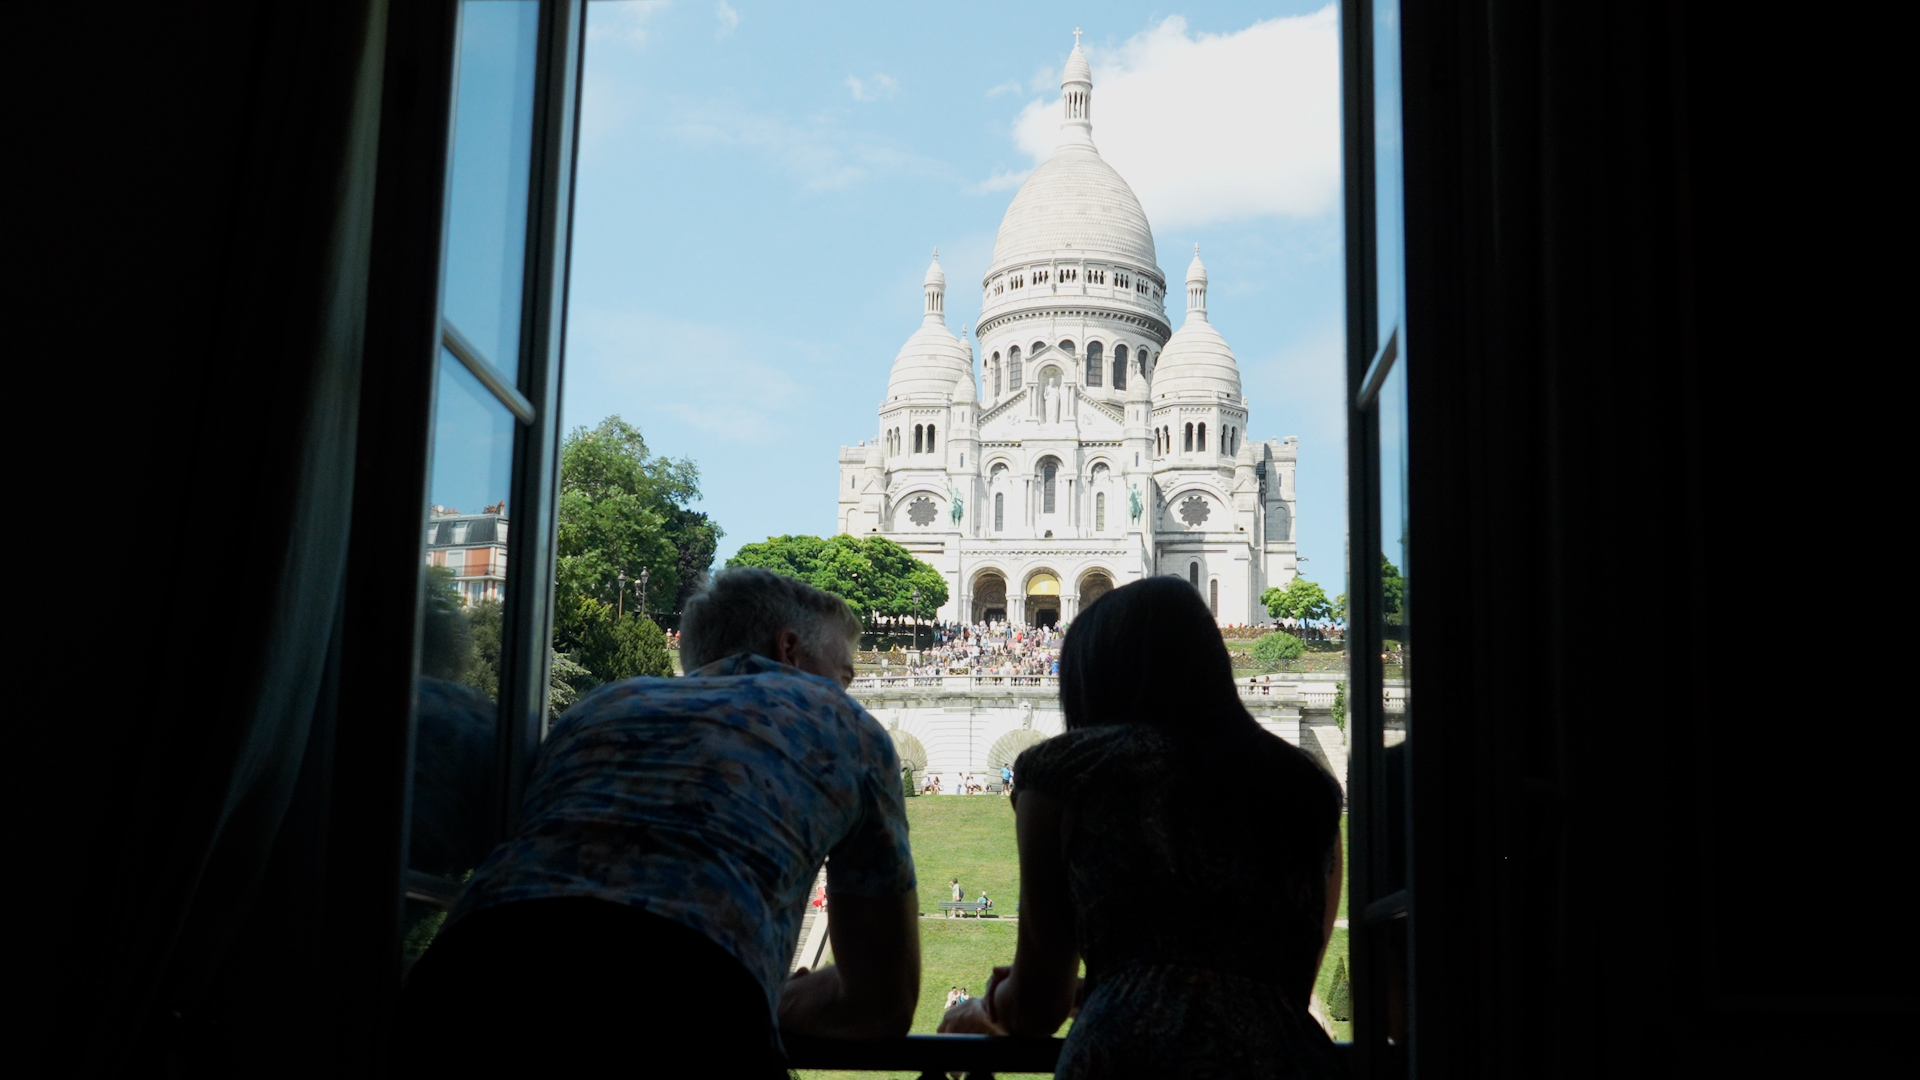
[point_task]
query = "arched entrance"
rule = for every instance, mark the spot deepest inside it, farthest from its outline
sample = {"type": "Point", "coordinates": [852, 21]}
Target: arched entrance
{"type": "Point", "coordinates": [1093, 585]}
{"type": "Point", "coordinates": [1043, 599]}
{"type": "Point", "coordinates": [913, 755]}
{"type": "Point", "coordinates": [989, 597]}
{"type": "Point", "coordinates": [1008, 747]}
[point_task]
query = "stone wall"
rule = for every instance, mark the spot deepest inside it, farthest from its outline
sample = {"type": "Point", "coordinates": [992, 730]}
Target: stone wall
{"type": "Point", "coordinates": [960, 720]}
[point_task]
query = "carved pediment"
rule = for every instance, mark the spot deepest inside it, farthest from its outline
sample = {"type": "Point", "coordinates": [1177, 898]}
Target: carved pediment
{"type": "Point", "coordinates": [1118, 414]}
{"type": "Point", "coordinates": [987, 416]}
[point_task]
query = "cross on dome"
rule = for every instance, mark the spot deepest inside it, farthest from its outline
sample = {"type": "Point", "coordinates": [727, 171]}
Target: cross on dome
{"type": "Point", "coordinates": [1076, 37]}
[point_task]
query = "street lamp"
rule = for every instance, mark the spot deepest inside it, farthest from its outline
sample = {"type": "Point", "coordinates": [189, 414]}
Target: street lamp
{"type": "Point", "coordinates": [916, 619]}
{"type": "Point", "coordinates": [645, 573]}
{"type": "Point", "coordinates": [620, 598]}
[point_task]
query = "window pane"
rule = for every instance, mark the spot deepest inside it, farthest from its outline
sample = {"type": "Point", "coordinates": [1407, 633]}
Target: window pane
{"type": "Point", "coordinates": [456, 738]}
{"type": "Point", "coordinates": [487, 209]}
{"type": "Point", "coordinates": [1395, 641]}
{"type": "Point", "coordinates": [1389, 241]}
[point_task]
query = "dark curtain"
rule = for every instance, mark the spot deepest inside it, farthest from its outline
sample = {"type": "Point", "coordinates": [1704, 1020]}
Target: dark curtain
{"type": "Point", "coordinates": [197, 259]}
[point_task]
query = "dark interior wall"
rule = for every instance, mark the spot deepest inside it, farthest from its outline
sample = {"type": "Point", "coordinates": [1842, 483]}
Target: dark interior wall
{"type": "Point", "coordinates": [1652, 616]}
{"type": "Point", "coordinates": [1649, 795]}
{"type": "Point", "coordinates": [195, 191]}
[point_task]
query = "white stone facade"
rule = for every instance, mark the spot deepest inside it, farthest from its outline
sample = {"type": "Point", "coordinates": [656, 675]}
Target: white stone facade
{"type": "Point", "coordinates": [1095, 445]}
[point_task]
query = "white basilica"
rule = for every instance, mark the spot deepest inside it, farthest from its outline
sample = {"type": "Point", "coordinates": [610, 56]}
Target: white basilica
{"type": "Point", "coordinates": [1099, 445]}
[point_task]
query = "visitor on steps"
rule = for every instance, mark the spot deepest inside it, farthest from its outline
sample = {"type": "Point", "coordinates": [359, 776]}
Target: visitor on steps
{"type": "Point", "coordinates": [1131, 801]}
{"type": "Point", "coordinates": [671, 833]}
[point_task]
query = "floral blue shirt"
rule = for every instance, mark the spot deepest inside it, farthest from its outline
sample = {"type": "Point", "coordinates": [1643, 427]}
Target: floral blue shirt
{"type": "Point", "coordinates": [710, 800]}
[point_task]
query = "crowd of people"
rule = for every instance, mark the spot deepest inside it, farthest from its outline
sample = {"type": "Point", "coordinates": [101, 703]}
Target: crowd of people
{"type": "Point", "coordinates": [969, 784]}
{"type": "Point", "coordinates": [995, 648]}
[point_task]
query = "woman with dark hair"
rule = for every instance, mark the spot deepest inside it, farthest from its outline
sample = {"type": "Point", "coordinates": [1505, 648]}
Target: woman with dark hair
{"type": "Point", "coordinates": [1148, 793]}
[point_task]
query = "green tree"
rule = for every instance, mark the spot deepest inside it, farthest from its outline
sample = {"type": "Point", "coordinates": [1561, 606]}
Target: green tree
{"type": "Point", "coordinates": [567, 681]}
{"type": "Point", "coordinates": [1340, 995]}
{"type": "Point", "coordinates": [875, 575]}
{"type": "Point", "coordinates": [624, 510]}
{"type": "Point", "coordinates": [1393, 591]}
{"type": "Point", "coordinates": [1340, 706]}
{"type": "Point", "coordinates": [446, 639]}
{"type": "Point", "coordinates": [1277, 646]}
{"type": "Point", "coordinates": [1301, 599]}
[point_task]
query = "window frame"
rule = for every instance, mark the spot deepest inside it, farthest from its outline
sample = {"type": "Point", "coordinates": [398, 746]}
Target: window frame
{"type": "Point", "coordinates": [533, 398]}
{"type": "Point", "coordinates": [1373, 825]}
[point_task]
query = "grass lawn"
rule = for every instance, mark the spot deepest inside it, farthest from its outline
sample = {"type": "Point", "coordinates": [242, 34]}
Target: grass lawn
{"type": "Point", "coordinates": [969, 837]}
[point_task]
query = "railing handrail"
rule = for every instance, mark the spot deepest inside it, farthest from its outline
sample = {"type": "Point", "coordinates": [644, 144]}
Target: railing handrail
{"type": "Point", "coordinates": [927, 1054]}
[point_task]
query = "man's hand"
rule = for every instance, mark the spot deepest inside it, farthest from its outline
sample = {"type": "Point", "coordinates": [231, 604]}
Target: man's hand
{"type": "Point", "coordinates": [872, 986]}
{"type": "Point", "coordinates": [969, 1017]}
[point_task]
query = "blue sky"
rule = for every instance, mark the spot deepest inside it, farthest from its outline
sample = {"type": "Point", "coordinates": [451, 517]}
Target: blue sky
{"type": "Point", "coordinates": [760, 188]}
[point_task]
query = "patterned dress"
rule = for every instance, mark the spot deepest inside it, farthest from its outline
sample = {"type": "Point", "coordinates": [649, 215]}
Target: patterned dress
{"type": "Point", "coordinates": [710, 800]}
{"type": "Point", "coordinates": [1199, 896]}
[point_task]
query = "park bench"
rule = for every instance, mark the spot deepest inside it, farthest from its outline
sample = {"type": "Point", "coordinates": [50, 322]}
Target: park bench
{"type": "Point", "coordinates": [964, 907]}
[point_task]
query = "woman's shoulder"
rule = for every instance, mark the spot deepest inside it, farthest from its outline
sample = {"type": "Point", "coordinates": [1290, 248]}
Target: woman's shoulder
{"type": "Point", "coordinates": [1059, 763]}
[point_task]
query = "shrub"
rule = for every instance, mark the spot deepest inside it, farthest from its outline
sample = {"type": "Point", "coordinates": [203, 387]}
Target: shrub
{"type": "Point", "coordinates": [1340, 994]}
{"type": "Point", "coordinates": [1278, 646]}
{"type": "Point", "coordinates": [1340, 706]}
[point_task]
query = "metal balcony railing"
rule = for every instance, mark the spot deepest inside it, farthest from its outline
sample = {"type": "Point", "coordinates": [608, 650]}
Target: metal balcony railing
{"type": "Point", "coordinates": [932, 1056]}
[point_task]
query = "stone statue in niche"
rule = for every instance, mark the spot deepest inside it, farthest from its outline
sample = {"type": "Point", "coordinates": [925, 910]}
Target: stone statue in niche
{"type": "Point", "coordinates": [956, 508]}
{"type": "Point", "coordinates": [1133, 503]}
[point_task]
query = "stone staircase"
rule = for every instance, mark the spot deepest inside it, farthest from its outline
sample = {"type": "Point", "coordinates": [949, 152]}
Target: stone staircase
{"type": "Point", "coordinates": [813, 929]}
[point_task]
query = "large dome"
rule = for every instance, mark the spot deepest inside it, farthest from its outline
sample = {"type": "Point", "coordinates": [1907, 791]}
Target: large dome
{"type": "Point", "coordinates": [1075, 202]}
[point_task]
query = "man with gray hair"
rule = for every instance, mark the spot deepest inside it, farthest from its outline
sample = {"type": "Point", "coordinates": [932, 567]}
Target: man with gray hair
{"type": "Point", "coordinates": [672, 833]}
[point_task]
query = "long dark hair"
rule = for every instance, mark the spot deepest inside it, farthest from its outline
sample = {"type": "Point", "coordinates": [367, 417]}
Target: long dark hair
{"type": "Point", "coordinates": [1150, 653]}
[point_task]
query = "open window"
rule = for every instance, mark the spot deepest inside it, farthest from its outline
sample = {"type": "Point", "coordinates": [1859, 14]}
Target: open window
{"type": "Point", "coordinates": [1380, 894]}
{"type": "Point", "coordinates": [482, 662]}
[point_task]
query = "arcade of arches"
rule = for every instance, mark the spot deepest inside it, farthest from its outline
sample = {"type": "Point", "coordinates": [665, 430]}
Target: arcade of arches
{"type": "Point", "coordinates": [1042, 601]}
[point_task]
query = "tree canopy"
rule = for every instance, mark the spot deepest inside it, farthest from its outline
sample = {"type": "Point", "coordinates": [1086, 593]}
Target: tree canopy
{"type": "Point", "coordinates": [1301, 599]}
{"type": "Point", "coordinates": [874, 574]}
{"type": "Point", "coordinates": [624, 510]}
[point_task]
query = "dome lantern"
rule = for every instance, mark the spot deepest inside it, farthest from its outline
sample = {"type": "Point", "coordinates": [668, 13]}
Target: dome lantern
{"type": "Point", "coordinates": [1197, 287]}
{"type": "Point", "coordinates": [1076, 97]}
{"type": "Point", "coordinates": [936, 286]}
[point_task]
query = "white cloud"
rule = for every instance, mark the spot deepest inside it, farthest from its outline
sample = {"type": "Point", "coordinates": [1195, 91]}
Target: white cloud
{"type": "Point", "coordinates": [823, 154]}
{"type": "Point", "coordinates": [729, 19]}
{"type": "Point", "coordinates": [1215, 127]}
{"type": "Point", "coordinates": [628, 356]}
{"type": "Point", "coordinates": [623, 20]}
{"type": "Point", "coordinates": [872, 89]}
{"type": "Point", "coordinates": [1011, 86]}
{"type": "Point", "coordinates": [1001, 180]}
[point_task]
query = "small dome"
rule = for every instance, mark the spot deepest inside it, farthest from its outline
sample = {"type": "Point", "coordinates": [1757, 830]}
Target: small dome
{"type": "Point", "coordinates": [963, 390]}
{"type": "Point", "coordinates": [1196, 270]}
{"type": "Point", "coordinates": [935, 275]}
{"type": "Point", "coordinates": [1196, 359]}
{"type": "Point", "coordinates": [930, 362]}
